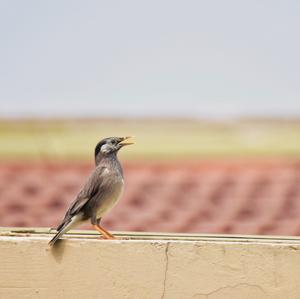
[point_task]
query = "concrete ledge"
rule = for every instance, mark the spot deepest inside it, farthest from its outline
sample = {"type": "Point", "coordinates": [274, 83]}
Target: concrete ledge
{"type": "Point", "coordinates": [148, 266]}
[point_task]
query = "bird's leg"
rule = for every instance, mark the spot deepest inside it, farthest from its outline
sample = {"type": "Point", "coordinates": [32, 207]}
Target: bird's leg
{"type": "Point", "coordinates": [102, 231]}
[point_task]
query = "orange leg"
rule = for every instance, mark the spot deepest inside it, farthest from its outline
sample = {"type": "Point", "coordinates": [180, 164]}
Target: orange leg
{"type": "Point", "coordinates": [104, 232]}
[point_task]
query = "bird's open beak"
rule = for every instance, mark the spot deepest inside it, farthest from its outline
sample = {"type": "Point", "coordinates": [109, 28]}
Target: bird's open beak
{"type": "Point", "coordinates": [125, 140]}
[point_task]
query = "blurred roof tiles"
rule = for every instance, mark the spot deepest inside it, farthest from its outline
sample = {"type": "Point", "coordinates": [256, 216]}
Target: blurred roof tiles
{"type": "Point", "coordinates": [240, 197]}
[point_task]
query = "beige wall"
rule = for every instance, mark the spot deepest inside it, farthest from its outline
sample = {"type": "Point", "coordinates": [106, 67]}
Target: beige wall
{"type": "Point", "coordinates": [204, 267]}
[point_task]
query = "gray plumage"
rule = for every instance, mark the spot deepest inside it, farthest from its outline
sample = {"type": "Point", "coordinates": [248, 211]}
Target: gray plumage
{"type": "Point", "coordinates": [100, 192]}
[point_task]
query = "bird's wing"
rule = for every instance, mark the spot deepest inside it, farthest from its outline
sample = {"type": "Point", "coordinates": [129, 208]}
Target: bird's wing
{"type": "Point", "coordinates": [90, 188]}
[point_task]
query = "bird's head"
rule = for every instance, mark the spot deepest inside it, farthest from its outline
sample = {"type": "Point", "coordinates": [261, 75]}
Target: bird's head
{"type": "Point", "coordinates": [111, 145]}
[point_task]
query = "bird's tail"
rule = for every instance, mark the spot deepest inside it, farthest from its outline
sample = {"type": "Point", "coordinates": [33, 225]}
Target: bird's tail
{"type": "Point", "coordinates": [59, 233]}
{"type": "Point", "coordinates": [63, 228]}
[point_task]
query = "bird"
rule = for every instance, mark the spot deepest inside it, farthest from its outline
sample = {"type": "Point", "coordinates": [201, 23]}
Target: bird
{"type": "Point", "coordinates": [101, 191]}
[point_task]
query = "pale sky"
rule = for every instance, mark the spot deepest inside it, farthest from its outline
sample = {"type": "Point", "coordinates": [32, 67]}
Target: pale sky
{"type": "Point", "coordinates": [133, 58]}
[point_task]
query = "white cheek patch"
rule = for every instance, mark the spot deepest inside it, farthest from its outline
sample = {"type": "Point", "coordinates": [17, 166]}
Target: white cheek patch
{"type": "Point", "coordinates": [104, 149]}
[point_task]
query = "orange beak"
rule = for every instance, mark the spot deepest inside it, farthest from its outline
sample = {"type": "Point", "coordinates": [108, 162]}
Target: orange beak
{"type": "Point", "coordinates": [125, 142]}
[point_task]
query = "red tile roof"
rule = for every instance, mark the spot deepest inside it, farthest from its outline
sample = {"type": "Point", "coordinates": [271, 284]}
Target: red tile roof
{"type": "Point", "coordinates": [255, 197]}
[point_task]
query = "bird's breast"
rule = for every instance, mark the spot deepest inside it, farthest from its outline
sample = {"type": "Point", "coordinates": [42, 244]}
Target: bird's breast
{"type": "Point", "coordinates": [111, 196]}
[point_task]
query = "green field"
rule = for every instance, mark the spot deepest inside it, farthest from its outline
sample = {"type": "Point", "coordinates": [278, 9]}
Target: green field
{"type": "Point", "coordinates": [155, 139]}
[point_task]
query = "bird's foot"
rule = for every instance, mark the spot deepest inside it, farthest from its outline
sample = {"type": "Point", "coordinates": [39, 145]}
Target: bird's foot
{"type": "Point", "coordinates": [108, 237]}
